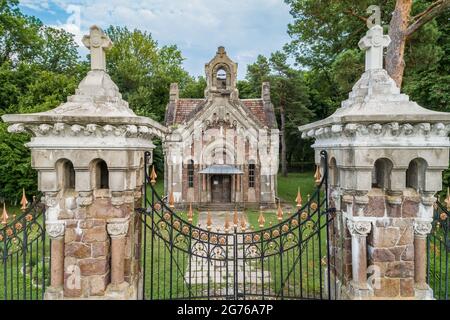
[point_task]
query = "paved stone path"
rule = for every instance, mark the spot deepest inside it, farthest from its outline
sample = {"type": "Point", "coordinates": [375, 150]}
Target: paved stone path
{"type": "Point", "coordinates": [199, 272]}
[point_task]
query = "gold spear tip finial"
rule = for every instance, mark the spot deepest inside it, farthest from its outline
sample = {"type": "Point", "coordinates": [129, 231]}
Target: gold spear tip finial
{"type": "Point", "coordinates": [24, 200]}
{"type": "Point", "coordinates": [261, 219]}
{"type": "Point", "coordinates": [227, 222]}
{"type": "Point", "coordinates": [208, 221]}
{"type": "Point", "coordinates": [190, 214]}
{"type": "Point", "coordinates": [317, 175]}
{"type": "Point", "coordinates": [171, 200]}
{"type": "Point", "coordinates": [243, 222]}
{"type": "Point", "coordinates": [279, 212]}
{"type": "Point", "coordinates": [298, 199]}
{"type": "Point", "coordinates": [153, 176]}
{"type": "Point", "coordinates": [235, 218]}
{"type": "Point", "coordinates": [4, 215]}
{"type": "Point", "coordinates": [447, 199]}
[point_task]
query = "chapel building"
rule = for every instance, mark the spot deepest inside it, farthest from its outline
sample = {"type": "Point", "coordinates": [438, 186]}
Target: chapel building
{"type": "Point", "coordinates": [221, 151]}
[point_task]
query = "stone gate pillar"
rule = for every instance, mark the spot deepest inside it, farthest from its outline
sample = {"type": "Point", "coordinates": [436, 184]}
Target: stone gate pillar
{"type": "Point", "coordinates": [89, 154]}
{"type": "Point", "coordinates": [386, 156]}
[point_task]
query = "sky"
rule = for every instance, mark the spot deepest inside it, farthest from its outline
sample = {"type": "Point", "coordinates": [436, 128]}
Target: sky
{"type": "Point", "coordinates": [245, 28]}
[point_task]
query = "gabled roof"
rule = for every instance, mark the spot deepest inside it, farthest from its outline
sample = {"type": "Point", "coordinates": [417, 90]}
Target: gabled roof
{"type": "Point", "coordinates": [183, 110]}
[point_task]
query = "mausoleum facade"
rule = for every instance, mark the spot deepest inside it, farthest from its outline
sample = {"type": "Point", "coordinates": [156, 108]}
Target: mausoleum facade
{"type": "Point", "coordinates": [221, 150]}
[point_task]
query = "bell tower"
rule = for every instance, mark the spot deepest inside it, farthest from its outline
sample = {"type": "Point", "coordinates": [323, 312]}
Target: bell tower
{"type": "Point", "coordinates": [221, 76]}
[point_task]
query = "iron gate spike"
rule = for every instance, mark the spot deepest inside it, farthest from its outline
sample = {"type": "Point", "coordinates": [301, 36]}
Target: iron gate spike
{"type": "Point", "coordinates": [227, 222]}
{"type": "Point", "coordinates": [208, 221]}
{"type": "Point", "coordinates": [299, 198]}
{"type": "Point", "coordinates": [153, 176]}
{"type": "Point", "coordinates": [23, 201]}
{"type": "Point", "coordinates": [261, 219]}
{"type": "Point", "coordinates": [279, 212]}
{"type": "Point", "coordinates": [4, 215]}
{"type": "Point", "coordinates": [190, 213]}
{"type": "Point", "coordinates": [317, 175]}
{"type": "Point", "coordinates": [171, 200]}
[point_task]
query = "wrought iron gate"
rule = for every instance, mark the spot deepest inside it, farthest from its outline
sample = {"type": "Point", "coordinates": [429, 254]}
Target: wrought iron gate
{"type": "Point", "coordinates": [439, 253]}
{"type": "Point", "coordinates": [288, 260]}
{"type": "Point", "coordinates": [24, 254]}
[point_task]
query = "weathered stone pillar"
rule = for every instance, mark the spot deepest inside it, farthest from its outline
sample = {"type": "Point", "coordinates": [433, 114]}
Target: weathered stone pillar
{"type": "Point", "coordinates": [55, 230]}
{"type": "Point", "coordinates": [359, 231]}
{"type": "Point", "coordinates": [117, 230]}
{"type": "Point", "coordinates": [421, 230]}
{"type": "Point", "coordinates": [389, 153]}
{"type": "Point", "coordinates": [97, 141]}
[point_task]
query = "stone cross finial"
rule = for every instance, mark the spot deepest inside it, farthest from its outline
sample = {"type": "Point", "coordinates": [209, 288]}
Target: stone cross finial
{"type": "Point", "coordinates": [373, 43]}
{"type": "Point", "coordinates": [97, 42]}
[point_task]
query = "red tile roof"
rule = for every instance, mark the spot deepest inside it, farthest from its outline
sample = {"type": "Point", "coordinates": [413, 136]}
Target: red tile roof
{"type": "Point", "coordinates": [182, 110]}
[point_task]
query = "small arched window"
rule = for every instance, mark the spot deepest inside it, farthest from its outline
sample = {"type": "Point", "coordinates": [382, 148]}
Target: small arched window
{"type": "Point", "coordinates": [251, 175]}
{"type": "Point", "coordinates": [66, 174]}
{"type": "Point", "coordinates": [381, 174]}
{"type": "Point", "coordinates": [190, 173]}
{"type": "Point", "coordinates": [101, 175]}
{"type": "Point", "coordinates": [221, 78]}
{"type": "Point", "coordinates": [416, 173]}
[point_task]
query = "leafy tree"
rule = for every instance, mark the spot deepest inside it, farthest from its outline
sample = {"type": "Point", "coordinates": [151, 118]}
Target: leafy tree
{"type": "Point", "coordinates": [289, 94]}
{"type": "Point", "coordinates": [143, 71]}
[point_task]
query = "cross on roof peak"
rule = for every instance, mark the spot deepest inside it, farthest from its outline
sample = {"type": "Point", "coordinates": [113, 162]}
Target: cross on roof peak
{"type": "Point", "coordinates": [97, 42]}
{"type": "Point", "coordinates": [374, 41]}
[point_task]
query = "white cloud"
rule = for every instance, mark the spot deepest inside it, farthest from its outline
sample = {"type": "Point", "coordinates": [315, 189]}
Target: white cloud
{"type": "Point", "coordinates": [245, 27]}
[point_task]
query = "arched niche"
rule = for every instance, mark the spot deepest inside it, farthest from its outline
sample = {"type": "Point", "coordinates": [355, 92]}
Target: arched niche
{"type": "Point", "coordinates": [333, 173]}
{"type": "Point", "coordinates": [99, 174]}
{"type": "Point", "coordinates": [65, 174]}
{"type": "Point", "coordinates": [381, 174]}
{"type": "Point", "coordinates": [416, 174]}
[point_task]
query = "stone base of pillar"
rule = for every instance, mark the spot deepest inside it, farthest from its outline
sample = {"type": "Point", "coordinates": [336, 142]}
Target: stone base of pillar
{"type": "Point", "coordinates": [140, 286]}
{"type": "Point", "coordinates": [355, 292]}
{"type": "Point", "coordinates": [52, 293]}
{"type": "Point", "coordinates": [424, 293]}
{"type": "Point", "coordinates": [121, 291]}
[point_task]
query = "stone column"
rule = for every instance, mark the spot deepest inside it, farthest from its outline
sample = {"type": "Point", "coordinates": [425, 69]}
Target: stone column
{"type": "Point", "coordinates": [421, 230]}
{"type": "Point", "coordinates": [117, 230]}
{"type": "Point", "coordinates": [359, 231]}
{"type": "Point", "coordinates": [56, 230]}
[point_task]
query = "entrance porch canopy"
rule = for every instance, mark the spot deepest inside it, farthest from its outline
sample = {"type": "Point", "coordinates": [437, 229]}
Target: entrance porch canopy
{"type": "Point", "coordinates": [221, 169]}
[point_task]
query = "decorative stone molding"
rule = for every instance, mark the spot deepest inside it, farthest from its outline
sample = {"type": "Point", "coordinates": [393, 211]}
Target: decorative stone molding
{"type": "Point", "coordinates": [117, 228]}
{"type": "Point", "coordinates": [91, 129]}
{"type": "Point", "coordinates": [393, 129]}
{"type": "Point", "coordinates": [422, 227]}
{"type": "Point", "coordinates": [55, 229]}
{"type": "Point", "coordinates": [361, 228]}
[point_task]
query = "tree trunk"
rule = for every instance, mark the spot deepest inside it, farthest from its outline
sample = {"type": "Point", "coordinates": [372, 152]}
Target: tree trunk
{"type": "Point", "coordinates": [284, 170]}
{"type": "Point", "coordinates": [395, 64]}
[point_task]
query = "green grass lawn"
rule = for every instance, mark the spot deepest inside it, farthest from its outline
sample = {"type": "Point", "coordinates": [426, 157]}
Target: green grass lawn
{"type": "Point", "coordinates": [288, 186]}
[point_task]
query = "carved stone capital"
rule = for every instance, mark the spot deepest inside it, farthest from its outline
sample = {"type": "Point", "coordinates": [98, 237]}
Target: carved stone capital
{"type": "Point", "coordinates": [129, 196]}
{"type": "Point", "coordinates": [428, 200]}
{"type": "Point", "coordinates": [117, 228]}
{"type": "Point", "coordinates": [51, 198]}
{"type": "Point", "coordinates": [84, 198]}
{"type": "Point", "coordinates": [55, 229]}
{"type": "Point", "coordinates": [117, 198]}
{"type": "Point", "coordinates": [361, 228]}
{"type": "Point", "coordinates": [422, 227]}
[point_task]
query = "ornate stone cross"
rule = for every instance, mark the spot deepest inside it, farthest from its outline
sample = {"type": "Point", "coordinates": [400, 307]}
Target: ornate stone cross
{"type": "Point", "coordinates": [97, 42]}
{"type": "Point", "coordinates": [374, 42]}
